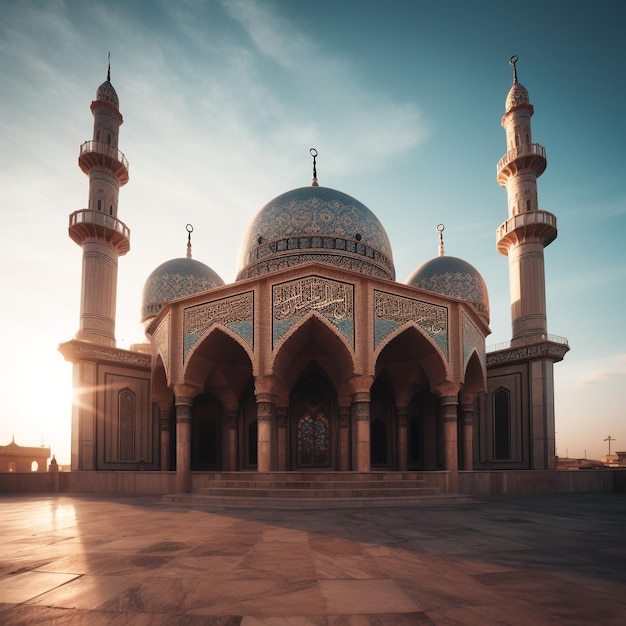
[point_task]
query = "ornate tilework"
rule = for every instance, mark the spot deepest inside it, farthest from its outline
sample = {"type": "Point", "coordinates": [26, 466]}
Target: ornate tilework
{"type": "Point", "coordinates": [235, 313]}
{"type": "Point", "coordinates": [173, 279]}
{"type": "Point", "coordinates": [316, 218]}
{"type": "Point", "coordinates": [292, 300]}
{"type": "Point", "coordinates": [363, 266]}
{"type": "Point", "coordinates": [392, 311]}
{"type": "Point", "coordinates": [161, 339]}
{"type": "Point", "coordinates": [472, 339]}
{"type": "Point", "coordinates": [453, 277]}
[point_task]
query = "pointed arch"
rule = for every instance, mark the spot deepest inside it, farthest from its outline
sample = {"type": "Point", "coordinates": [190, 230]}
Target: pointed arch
{"type": "Point", "coordinates": [313, 339]}
{"type": "Point", "coordinates": [411, 358]}
{"type": "Point", "coordinates": [220, 363]}
{"type": "Point", "coordinates": [475, 376]}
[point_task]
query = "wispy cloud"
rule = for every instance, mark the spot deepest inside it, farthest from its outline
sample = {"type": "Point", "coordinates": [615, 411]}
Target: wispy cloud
{"type": "Point", "coordinates": [596, 371]}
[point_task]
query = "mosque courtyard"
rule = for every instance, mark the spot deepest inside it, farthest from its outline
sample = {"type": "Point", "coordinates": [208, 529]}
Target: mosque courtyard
{"type": "Point", "coordinates": [525, 559]}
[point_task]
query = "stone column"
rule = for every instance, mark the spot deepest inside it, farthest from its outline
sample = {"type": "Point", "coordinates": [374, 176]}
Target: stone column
{"type": "Point", "coordinates": [183, 442]}
{"type": "Point", "coordinates": [361, 431]}
{"type": "Point", "coordinates": [281, 436]}
{"type": "Point", "coordinates": [164, 431]}
{"type": "Point", "coordinates": [265, 411]}
{"type": "Point", "coordinates": [232, 416]}
{"type": "Point", "coordinates": [344, 438]}
{"type": "Point", "coordinates": [448, 414]}
{"type": "Point", "coordinates": [402, 416]}
{"type": "Point", "coordinates": [467, 423]}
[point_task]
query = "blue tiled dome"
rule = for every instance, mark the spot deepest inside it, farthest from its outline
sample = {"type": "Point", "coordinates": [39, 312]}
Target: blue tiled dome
{"type": "Point", "coordinates": [454, 277]}
{"type": "Point", "coordinates": [175, 279]}
{"type": "Point", "coordinates": [106, 93]}
{"type": "Point", "coordinates": [315, 224]}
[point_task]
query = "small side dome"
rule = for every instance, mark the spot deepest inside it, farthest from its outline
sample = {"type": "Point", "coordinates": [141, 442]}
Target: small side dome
{"type": "Point", "coordinates": [106, 93]}
{"type": "Point", "coordinates": [453, 277]}
{"type": "Point", "coordinates": [174, 279]}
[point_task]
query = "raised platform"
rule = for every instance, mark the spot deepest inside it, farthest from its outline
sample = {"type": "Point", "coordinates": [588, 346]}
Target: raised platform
{"type": "Point", "coordinates": [306, 490]}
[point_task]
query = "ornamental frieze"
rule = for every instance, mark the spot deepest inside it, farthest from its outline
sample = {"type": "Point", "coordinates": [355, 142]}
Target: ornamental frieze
{"type": "Point", "coordinates": [472, 340]}
{"type": "Point", "coordinates": [292, 300]}
{"type": "Point", "coordinates": [548, 349]}
{"type": "Point", "coordinates": [116, 355]}
{"type": "Point", "coordinates": [392, 311]}
{"type": "Point", "coordinates": [235, 313]}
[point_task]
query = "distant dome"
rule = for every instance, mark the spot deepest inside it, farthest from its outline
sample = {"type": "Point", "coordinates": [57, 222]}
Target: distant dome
{"type": "Point", "coordinates": [518, 94]}
{"type": "Point", "coordinates": [453, 277]}
{"type": "Point", "coordinates": [173, 279]}
{"type": "Point", "coordinates": [106, 93]}
{"type": "Point", "coordinates": [315, 224]}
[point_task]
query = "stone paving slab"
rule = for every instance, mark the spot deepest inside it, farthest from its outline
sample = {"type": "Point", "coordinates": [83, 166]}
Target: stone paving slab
{"type": "Point", "coordinates": [517, 560]}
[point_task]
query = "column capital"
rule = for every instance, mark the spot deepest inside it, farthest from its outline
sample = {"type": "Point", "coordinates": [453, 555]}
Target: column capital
{"type": "Point", "coordinates": [447, 389]}
{"type": "Point", "coordinates": [184, 394]}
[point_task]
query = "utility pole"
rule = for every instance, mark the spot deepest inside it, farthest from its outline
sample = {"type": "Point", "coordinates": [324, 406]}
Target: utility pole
{"type": "Point", "coordinates": [609, 439]}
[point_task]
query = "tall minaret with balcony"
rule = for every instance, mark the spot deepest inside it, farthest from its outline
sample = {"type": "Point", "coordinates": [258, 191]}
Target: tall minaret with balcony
{"type": "Point", "coordinates": [102, 236]}
{"type": "Point", "coordinates": [528, 230]}
{"type": "Point", "coordinates": [520, 375]}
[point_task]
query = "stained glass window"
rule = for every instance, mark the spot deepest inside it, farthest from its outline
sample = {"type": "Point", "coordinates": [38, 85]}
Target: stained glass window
{"type": "Point", "coordinates": [313, 440]}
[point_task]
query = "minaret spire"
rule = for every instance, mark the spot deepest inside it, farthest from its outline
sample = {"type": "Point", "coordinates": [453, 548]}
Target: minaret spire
{"type": "Point", "coordinates": [109, 68]}
{"type": "Point", "coordinates": [440, 229]}
{"type": "Point", "coordinates": [189, 228]}
{"type": "Point", "coordinates": [513, 62]}
{"type": "Point", "coordinates": [313, 153]}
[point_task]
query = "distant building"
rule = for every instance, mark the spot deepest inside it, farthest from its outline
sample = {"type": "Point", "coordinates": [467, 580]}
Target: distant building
{"type": "Point", "coordinates": [315, 357]}
{"type": "Point", "coordinates": [14, 458]}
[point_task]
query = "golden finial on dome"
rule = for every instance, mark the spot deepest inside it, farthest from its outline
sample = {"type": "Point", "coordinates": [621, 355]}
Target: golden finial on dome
{"type": "Point", "coordinates": [189, 229]}
{"type": "Point", "coordinates": [313, 153]}
{"type": "Point", "coordinates": [513, 62]}
{"type": "Point", "coordinates": [440, 229]}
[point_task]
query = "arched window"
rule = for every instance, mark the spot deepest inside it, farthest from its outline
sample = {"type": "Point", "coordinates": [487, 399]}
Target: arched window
{"type": "Point", "coordinates": [126, 425]}
{"type": "Point", "coordinates": [528, 205]}
{"type": "Point", "coordinates": [502, 424]}
{"type": "Point", "coordinates": [99, 205]}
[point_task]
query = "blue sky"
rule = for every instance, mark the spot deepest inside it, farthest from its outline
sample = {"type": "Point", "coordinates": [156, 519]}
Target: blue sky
{"type": "Point", "coordinates": [222, 101]}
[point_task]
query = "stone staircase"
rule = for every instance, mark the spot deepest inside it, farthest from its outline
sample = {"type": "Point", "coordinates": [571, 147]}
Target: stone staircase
{"type": "Point", "coordinates": [306, 490]}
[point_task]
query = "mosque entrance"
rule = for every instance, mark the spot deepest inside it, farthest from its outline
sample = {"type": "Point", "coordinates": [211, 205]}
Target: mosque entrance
{"type": "Point", "coordinates": [312, 420]}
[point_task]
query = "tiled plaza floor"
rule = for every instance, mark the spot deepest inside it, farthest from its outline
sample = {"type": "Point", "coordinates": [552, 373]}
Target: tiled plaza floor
{"type": "Point", "coordinates": [500, 560]}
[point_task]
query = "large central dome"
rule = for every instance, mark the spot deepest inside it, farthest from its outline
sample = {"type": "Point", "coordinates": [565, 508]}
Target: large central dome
{"type": "Point", "coordinates": [315, 224]}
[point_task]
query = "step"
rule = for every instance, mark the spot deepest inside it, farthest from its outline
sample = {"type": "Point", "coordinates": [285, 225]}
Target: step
{"type": "Point", "coordinates": [344, 491]}
{"type": "Point", "coordinates": [198, 500]}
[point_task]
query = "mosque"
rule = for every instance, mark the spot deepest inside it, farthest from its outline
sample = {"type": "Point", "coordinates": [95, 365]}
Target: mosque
{"type": "Point", "coordinates": [315, 357]}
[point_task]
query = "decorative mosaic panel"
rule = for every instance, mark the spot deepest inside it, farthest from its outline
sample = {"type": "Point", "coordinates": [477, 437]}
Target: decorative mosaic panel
{"type": "Point", "coordinates": [235, 313]}
{"type": "Point", "coordinates": [292, 300]}
{"type": "Point", "coordinates": [361, 265]}
{"type": "Point", "coordinates": [161, 339]}
{"type": "Point", "coordinates": [392, 311]}
{"type": "Point", "coordinates": [472, 339]}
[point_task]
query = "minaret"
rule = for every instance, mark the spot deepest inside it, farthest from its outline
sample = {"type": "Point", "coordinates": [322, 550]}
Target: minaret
{"type": "Point", "coordinates": [521, 378]}
{"type": "Point", "coordinates": [528, 230]}
{"type": "Point", "coordinates": [102, 236]}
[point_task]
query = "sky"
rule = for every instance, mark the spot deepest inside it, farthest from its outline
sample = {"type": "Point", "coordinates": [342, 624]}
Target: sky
{"type": "Point", "coordinates": [222, 100]}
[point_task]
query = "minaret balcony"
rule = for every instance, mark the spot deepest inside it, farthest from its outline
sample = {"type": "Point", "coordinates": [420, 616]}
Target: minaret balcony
{"type": "Point", "coordinates": [100, 154]}
{"type": "Point", "coordinates": [528, 156]}
{"type": "Point", "coordinates": [529, 226]}
{"type": "Point", "coordinates": [86, 224]}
